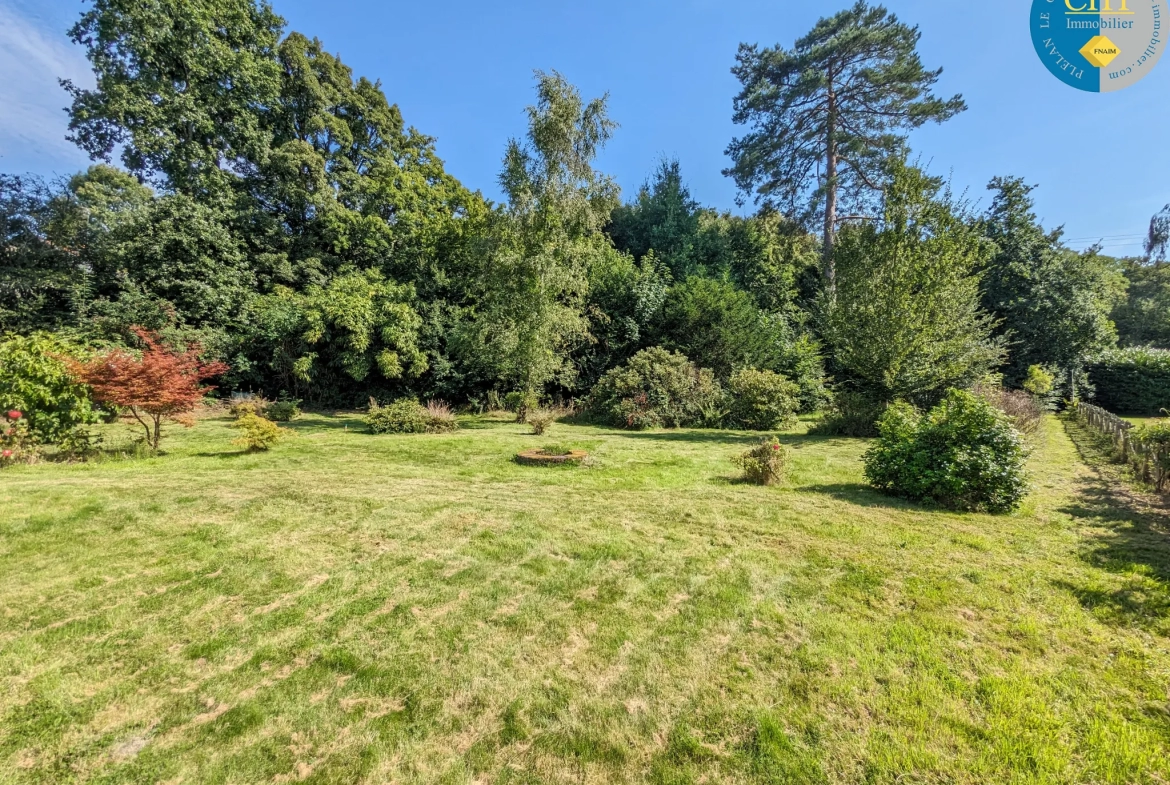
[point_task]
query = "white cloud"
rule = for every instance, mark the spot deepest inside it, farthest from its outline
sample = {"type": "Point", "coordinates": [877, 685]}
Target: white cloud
{"type": "Point", "coordinates": [33, 123]}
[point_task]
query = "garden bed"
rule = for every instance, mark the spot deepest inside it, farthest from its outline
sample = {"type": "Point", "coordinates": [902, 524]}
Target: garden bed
{"type": "Point", "coordinates": [539, 457]}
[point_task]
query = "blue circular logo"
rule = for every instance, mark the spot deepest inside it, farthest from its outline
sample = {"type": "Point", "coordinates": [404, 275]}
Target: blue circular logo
{"type": "Point", "coordinates": [1099, 45]}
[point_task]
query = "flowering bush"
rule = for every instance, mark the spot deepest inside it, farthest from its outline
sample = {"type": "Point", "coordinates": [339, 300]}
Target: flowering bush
{"type": "Point", "coordinates": [35, 383]}
{"type": "Point", "coordinates": [17, 444]}
{"type": "Point", "coordinates": [764, 464]}
{"type": "Point", "coordinates": [964, 455]}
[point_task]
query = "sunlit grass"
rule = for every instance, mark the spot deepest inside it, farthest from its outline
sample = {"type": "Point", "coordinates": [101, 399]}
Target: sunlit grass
{"type": "Point", "coordinates": [355, 608]}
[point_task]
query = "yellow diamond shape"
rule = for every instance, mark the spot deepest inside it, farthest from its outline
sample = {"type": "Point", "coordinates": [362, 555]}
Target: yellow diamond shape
{"type": "Point", "coordinates": [1100, 51]}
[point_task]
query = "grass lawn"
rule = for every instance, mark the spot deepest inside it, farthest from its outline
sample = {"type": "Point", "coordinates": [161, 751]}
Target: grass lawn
{"type": "Point", "coordinates": [354, 608]}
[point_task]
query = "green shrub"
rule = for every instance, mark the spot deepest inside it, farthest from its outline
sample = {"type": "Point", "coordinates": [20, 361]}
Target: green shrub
{"type": "Point", "coordinates": [242, 404]}
{"type": "Point", "coordinates": [1039, 381]}
{"type": "Point", "coordinates": [762, 400]}
{"type": "Point", "coordinates": [256, 433]}
{"type": "Point", "coordinates": [657, 388]}
{"type": "Point", "coordinates": [17, 444]}
{"type": "Point", "coordinates": [34, 380]}
{"type": "Point", "coordinates": [440, 418]}
{"type": "Point", "coordinates": [521, 403]}
{"type": "Point", "coordinates": [402, 416]}
{"type": "Point", "coordinates": [764, 464]}
{"type": "Point", "coordinates": [283, 410]}
{"type": "Point", "coordinates": [1132, 381]}
{"type": "Point", "coordinates": [542, 419]}
{"type": "Point", "coordinates": [851, 413]}
{"type": "Point", "coordinates": [963, 455]}
{"type": "Point", "coordinates": [1156, 437]}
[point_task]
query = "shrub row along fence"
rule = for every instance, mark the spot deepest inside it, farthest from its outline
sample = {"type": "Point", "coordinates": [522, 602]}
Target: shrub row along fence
{"type": "Point", "coordinates": [1149, 461]}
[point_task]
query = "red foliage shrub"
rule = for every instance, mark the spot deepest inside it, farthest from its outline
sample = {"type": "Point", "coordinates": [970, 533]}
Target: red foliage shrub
{"type": "Point", "coordinates": [162, 382]}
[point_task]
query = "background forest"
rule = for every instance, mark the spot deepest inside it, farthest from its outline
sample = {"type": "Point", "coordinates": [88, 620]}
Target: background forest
{"type": "Point", "coordinates": [279, 211]}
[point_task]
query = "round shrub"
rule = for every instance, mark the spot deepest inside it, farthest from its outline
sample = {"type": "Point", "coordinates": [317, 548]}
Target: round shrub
{"type": "Point", "coordinates": [402, 416]}
{"type": "Point", "coordinates": [762, 400]}
{"type": "Point", "coordinates": [963, 455]}
{"type": "Point", "coordinates": [256, 433]}
{"type": "Point", "coordinates": [764, 464]}
{"type": "Point", "coordinates": [657, 388]}
{"type": "Point", "coordinates": [35, 380]}
{"type": "Point", "coordinates": [283, 410]}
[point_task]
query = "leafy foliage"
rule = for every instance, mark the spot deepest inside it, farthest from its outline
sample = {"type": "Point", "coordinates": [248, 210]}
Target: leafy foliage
{"type": "Point", "coordinates": [17, 443]}
{"type": "Point", "coordinates": [840, 101]}
{"type": "Point", "coordinates": [905, 320]}
{"type": "Point", "coordinates": [44, 284]}
{"type": "Point", "coordinates": [283, 409]}
{"type": "Point", "coordinates": [964, 455]}
{"type": "Point", "coordinates": [35, 379]}
{"type": "Point", "coordinates": [657, 388]}
{"type": "Point", "coordinates": [1052, 304]}
{"type": "Point", "coordinates": [161, 69]}
{"type": "Point", "coordinates": [1156, 438]}
{"type": "Point", "coordinates": [258, 434]}
{"type": "Point", "coordinates": [765, 463]}
{"type": "Point", "coordinates": [404, 415]}
{"type": "Point", "coordinates": [1132, 381]}
{"type": "Point", "coordinates": [160, 382]}
{"type": "Point", "coordinates": [761, 400]}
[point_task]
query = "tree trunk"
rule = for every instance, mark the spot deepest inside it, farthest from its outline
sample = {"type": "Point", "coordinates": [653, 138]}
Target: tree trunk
{"type": "Point", "coordinates": [828, 268]}
{"type": "Point", "coordinates": [157, 432]}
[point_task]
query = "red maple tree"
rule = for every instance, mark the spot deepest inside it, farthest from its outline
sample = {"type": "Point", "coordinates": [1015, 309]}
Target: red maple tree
{"type": "Point", "coordinates": [162, 382]}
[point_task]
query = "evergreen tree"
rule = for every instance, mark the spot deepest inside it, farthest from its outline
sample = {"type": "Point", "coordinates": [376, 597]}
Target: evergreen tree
{"type": "Point", "coordinates": [906, 322]}
{"type": "Point", "coordinates": [826, 114]}
{"type": "Point", "coordinates": [1052, 303]}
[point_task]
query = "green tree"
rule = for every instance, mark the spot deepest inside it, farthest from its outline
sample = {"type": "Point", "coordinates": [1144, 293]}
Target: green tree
{"type": "Point", "coordinates": [1158, 239]}
{"type": "Point", "coordinates": [906, 319]}
{"type": "Point", "coordinates": [530, 314]}
{"type": "Point", "coordinates": [1053, 304]}
{"type": "Point", "coordinates": [180, 252]}
{"type": "Point", "coordinates": [43, 283]}
{"type": "Point", "coordinates": [826, 114]}
{"type": "Point", "coordinates": [181, 90]}
{"type": "Point", "coordinates": [663, 218]}
{"type": "Point", "coordinates": [359, 327]}
{"type": "Point", "coordinates": [1142, 317]}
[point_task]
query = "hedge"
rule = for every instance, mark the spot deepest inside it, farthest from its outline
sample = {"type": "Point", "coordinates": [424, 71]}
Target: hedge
{"type": "Point", "coordinates": [1133, 381]}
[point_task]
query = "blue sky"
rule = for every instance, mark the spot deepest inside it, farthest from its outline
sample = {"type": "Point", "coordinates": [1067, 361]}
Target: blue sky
{"type": "Point", "coordinates": [462, 72]}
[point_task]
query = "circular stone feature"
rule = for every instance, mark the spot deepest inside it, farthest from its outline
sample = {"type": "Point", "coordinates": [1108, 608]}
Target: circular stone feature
{"type": "Point", "coordinates": [541, 458]}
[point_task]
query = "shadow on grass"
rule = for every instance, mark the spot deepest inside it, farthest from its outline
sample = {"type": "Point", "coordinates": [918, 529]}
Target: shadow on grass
{"type": "Point", "coordinates": [1132, 542]}
{"type": "Point", "coordinates": [863, 496]}
{"type": "Point", "coordinates": [695, 437]}
{"type": "Point", "coordinates": [225, 455]}
{"type": "Point", "coordinates": [326, 422]}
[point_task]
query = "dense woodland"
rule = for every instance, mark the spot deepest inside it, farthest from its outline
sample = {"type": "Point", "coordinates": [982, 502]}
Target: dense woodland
{"type": "Point", "coordinates": [251, 194]}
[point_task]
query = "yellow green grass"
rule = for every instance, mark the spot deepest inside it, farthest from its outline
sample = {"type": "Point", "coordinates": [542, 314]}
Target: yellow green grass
{"type": "Point", "coordinates": [352, 608]}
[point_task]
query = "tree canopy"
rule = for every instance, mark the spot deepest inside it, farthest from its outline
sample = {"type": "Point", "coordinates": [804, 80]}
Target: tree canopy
{"type": "Point", "coordinates": [826, 115]}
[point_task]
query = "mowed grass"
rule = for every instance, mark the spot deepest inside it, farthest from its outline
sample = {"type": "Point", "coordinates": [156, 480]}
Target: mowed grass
{"type": "Point", "coordinates": [353, 608]}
